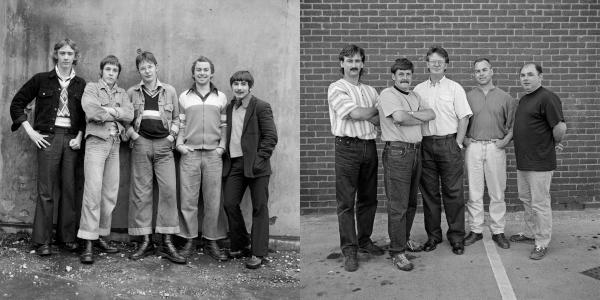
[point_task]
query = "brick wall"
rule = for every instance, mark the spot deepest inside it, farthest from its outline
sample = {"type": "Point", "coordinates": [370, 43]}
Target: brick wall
{"type": "Point", "coordinates": [562, 35]}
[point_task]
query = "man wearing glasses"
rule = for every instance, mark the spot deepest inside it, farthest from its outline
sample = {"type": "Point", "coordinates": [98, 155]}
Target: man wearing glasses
{"type": "Point", "coordinates": [442, 152]}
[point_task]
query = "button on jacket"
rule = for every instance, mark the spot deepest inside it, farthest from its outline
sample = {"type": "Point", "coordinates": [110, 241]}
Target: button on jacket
{"type": "Point", "coordinates": [44, 87]}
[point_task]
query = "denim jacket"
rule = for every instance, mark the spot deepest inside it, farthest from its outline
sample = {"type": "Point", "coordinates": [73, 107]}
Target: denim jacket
{"type": "Point", "coordinates": [44, 87]}
{"type": "Point", "coordinates": [168, 107]}
{"type": "Point", "coordinates": [95, 98]}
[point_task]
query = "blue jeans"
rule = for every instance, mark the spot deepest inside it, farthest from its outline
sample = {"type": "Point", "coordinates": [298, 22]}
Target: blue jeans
{"type": "Point", "coordinates": [151, 157]}
{"type": "Point", "coordinates": [402, 172]}
{"type": "Point", "coordinates": [201, 170]}
{"type": "Point", "coordinates": [101, 189]}
{"type": "Point", "coordinates": [443, 165]}
{"type": "Point", "coordinates": [56, 186]}
{"type": "Point", "coordinates": [355, 179]}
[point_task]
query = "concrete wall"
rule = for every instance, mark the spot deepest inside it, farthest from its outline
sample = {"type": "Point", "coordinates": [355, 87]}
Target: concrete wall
{"type": "Point", "coordinates": [257, 35]}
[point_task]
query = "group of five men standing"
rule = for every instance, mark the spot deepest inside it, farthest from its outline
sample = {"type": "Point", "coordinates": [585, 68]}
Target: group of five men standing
{"type": "Point", "coordinates": [424, 131]}
{"type": "Point", "coordinates": [216, 139]}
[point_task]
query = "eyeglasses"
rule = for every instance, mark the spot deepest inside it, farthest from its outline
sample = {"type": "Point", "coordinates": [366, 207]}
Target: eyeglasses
{"type": "Point", "coordinates": [436, 62]}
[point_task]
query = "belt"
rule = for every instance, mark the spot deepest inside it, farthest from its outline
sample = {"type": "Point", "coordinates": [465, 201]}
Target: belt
{"type": "Point", "coordinates": [440, 137]}
{"type": "Point", "coordinates": [405, 144]}
{"type": "Point", "coordinates": [351, 140]}
{"type": "Point", "coordinates": [484, 142]}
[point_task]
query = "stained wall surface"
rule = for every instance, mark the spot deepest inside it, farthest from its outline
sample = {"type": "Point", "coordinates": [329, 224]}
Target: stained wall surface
{"type": "Point", "coordinates": [261, 36]}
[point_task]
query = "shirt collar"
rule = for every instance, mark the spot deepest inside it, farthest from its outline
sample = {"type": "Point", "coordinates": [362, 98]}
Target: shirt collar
{"type": "Point", "coordinates": [431, 84]}
{"type": "Point", "coordinates": [105, 86]}
{"type": "Point", "coordinates": [213, 89]}
{"type": "Point", "coordinates": [71, 75]}
{"type": "Point", "coordinates": [245, 100]}
{"type": "Point", "coordinates": [401, 91]}
{"type": "Point", "coordinates": [158, 84]}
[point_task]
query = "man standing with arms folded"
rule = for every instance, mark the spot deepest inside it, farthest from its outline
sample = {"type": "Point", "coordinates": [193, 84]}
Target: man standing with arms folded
{"type": "Point", "coordinates": [154, 129]}
{"type": "Point", "coordinates": [201, 142]}
{"type": "Point", "coordinates": [251, 136]}
{"type": "Point", "coordinates": [489, 131]}
{"type": "Point", "coordinates": [353, 117]}
{"type": "Point", "coordinates": [401, 115]}
{"type": "Point", "coordinates": [443, 162]}
{"type": "Point", "coordinates": [106, 106]}
{"type": "Point", "coordinates": [539, 128]}
{"type": "Point", "coordinates": [57, 130]}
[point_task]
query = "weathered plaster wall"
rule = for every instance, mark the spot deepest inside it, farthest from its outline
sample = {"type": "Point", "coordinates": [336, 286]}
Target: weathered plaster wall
{"type": "Point", "coordinates": [261, 36]}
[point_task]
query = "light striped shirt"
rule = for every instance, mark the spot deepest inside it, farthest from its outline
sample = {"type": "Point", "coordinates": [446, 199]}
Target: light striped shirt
{"type": "Point", "coordinates": [344, 97]}
{"type": "Point", "coordinates": [448, 100]}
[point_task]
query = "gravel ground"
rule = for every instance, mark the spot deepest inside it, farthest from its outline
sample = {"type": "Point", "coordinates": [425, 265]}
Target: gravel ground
{"type": "Point", "coordinates": [25, 275]}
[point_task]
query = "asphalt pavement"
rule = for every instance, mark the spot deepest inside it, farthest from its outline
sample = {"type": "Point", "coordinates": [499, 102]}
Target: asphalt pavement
{"type": "Point", "coordinates": [485, 271]}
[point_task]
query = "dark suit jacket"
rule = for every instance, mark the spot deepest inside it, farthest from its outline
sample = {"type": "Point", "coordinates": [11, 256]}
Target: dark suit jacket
{"type": "Point", "coordinates": [259, 137]}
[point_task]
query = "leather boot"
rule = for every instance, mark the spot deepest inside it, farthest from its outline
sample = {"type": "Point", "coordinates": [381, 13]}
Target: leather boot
{"type": "Point", "coordinates": [87, 256]}
{"type": "Point", "coordinates": [186, 251]}
{"type": "Point", "coordinates": [105, 247]}
{"type": "Point", "coordinates": [212, 249]}
{"type": "Point", "coordinates": [145, 248]}
{"type": "Point", "coordinates": [167, 250]}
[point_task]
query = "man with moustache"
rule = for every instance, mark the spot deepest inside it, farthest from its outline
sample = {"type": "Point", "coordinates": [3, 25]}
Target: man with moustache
{"type": "Point", "coordinates": [442, 152]}
{"type": "Point", "coordinates": [402, 113]}
{"type": "Point", "coordinates": [251, 139]}
{"type": "Point", "coordinates": [154, 129]}
{"type": "Point", "coordinates": [106, 107]}
{"type": "Point", "coordinates": [201, 142]}
{"type": "Point", "coordinates": [57, 130]}
{"type": "Point", "coordinates": [539, 128]}
{"type": "Point", "coordinates": [353, 117]}
{"type": "Point", "coordinates": [489, 131]}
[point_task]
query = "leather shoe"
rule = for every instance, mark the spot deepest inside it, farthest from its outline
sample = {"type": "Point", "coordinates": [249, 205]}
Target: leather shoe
{"type": "Point", "coordinates": [501, 240]}
{"type": "Point", "coordinates": [458, 248]}
{"type": "Point", "coordinates": [70, 246]}
{"type": "Point", "coordinates": [473, 237]}
{"type": "Point", "coordinates": [212, 249]}
{"type": "Point", "coordinates": [43, 250]}
{"type": "Point", "coordinates": [105, 247]}
{"type": "Point", "coordinates": [350, 260]}
{"type": "Point", "coordinates": [167, 250]}
{"type": "Point", "coordinates": [87, 256]}
{"type": "Point", "coordinates": [244, 252]}
{"type": "Point", "coordinates": [254, 262]}
{"type": "Point", "coordinates": [145, 248]}
{"type": "Point", "coordinates": [186, 251]}
{"type": "Point", "coordinates": [430, 245]}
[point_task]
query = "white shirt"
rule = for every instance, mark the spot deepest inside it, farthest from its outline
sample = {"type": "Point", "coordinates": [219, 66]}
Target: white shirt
{"type": "Point", "coordinates": [448, 100]}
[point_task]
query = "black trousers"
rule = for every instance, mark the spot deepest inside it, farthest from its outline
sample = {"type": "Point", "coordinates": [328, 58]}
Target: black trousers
{"type": "Point", "coordinates": [443, 164]}
{"type": "Point", "coordinates": [57, 185]}
{"type": "Point", "coordinates": [355, 180]}
{"type": "Point", "coordinates": [234, 187]}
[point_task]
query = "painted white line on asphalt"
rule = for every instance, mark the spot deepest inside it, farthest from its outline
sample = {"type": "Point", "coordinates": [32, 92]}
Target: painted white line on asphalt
{"type": "Point", "coordinates": [502, 281]}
